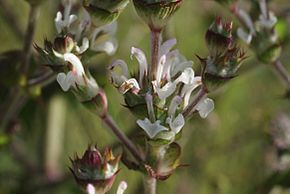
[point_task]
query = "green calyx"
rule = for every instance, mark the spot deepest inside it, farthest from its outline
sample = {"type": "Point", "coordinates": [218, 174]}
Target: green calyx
{"type": "Point", "coordinates": [156, 13]}
{"type": "Point", "coordinates": [105, 11]}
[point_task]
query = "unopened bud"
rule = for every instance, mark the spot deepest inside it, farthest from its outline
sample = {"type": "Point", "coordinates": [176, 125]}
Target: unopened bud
{"type": "Point", "coordinates": [156, 13]}
{"type": "Point", "coordinates": [105, 11]}
{"type": "Point", "coordinates": [95, 169]}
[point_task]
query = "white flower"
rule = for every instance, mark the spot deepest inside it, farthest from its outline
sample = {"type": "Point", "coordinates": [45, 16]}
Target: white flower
{"type": "Point", "coordinates": [204, 107]}
{"type": "Point", "coordinates": [84, 47]}
{"type": "Point", "coordinates": [176, 124]}
{"type": "Point", "coordinates": [152, 129]}
{"type": "Point", "coordinates": [91, 189]}
{"type": "Point", "coordinates": [122, 187]}
{"type": "Point", "coordinates": [190, 83]}
{"type": "Point", "coordinates": [143, 65]}
{"type": "Point", "coordinates": [246, 37]}
{"type": "Point", "coordinates": [64, 20]}
{"type": "Point", "coordinates": [266, 22]}
{"type": "Point", "coordinates": [110, 44]}
{"type": "Point", "coordinates": [76, 75]}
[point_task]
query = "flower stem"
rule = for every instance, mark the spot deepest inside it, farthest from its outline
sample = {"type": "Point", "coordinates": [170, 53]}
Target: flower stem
{"type": "Point", "coordinates": [121, 136]}
{"type": "Point", "coordinates": [200, 95]}
{"type": "Point", "coordinates": [282, 71]}
{"type": "Point", "coordinates": [150, 185]}
{"type": "Point", "coordinates": [155, 47]}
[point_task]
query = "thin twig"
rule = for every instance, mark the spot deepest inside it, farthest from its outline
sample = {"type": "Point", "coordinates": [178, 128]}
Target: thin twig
{"type": "Point", "coordinates": [282, 72]}
{"type": "Point", "coordinates": [121, 136]}
{"type": "Point", "coordinates": [200, 95]}
{"type": "Point", "coordinates": [27, 47]}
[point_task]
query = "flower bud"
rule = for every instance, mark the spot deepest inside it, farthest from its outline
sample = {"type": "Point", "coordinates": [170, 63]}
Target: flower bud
{"type": "Point", "coordinates": [63, 44]}
{"type": "Point", "coordinates": [156, 12]}
{"type": "Point", "coordinates": [219, 36]}
{"type": "Point", "coordinates": [105, 11]}
{"type": "Point", "coordinates": [224, 58]}
{"type": "Point", "coordinates": [95, 169]}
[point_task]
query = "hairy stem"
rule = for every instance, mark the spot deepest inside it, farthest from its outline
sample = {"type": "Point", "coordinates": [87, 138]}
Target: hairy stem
{"type": "Point", "coordinates": [200, 95]}
{"type": "Point", "coordinates": [121, 136]}
{"type": "Point", "coordinates": [155, 47]}
{"type": "Point", "coordinates": [150, 185]}
{"type": "Point", "coordinates": [282, 71]}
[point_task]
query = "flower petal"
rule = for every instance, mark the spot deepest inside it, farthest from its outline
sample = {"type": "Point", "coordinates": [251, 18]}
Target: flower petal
{"type": "Point", "coordinates": [246, 37]}
{"type": "Point", "coordinates": [175, 102]}
{"type": "Point", "coordinates": [187, 89]}
{"type": "Point", "coordinates": [143, 66]}
{"type": "Point", "coordinates": [167, 46]}
{"type": "Point", "coordinates": [84, 47]}
{"type": "Point", "coordinates": [76, 63]}
{"type": "Point", "coordinates": [122, 187]}
{"type": "Point", "coordinates": [65, 81]}
{"type": "Point", "coordinates": [176, 124]}
{"type": "Point", "coordinates": [204, 107]}
{"type": "Point", "coordinates": [165, 91]}
{"type": "Point", "coordinates": [91, 189]}
{"type": "Point", "coordinates": [151, 129]}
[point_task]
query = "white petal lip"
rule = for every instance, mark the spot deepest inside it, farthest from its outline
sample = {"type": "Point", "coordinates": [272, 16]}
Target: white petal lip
{"type": "Point", "coordinates": [65, 81]}
{"type": "Point", "coordinates": [167, 46]}
{"type": "Point", "coordinates": [91, 189]}
{"type": "Point", "coordinates": [76, 63]}
{"type": "Point", "coordinates": [84, 47]}
{"type": "Point", "coordinates": [177, 124]}
{"type": "Point", "coordinates": [246, 37]}
{"type": "Point", "coordinates": [204, 107]}
{"type": "Point", "coordinates": [160, 67]}
{"type": "Point", "coordinates": [122, 187]}
{"type": "Point", "coordinates": [143, 65]}
{"type": "Point", "coordinates": [247, 19]}
{"type": "Point", "coordinates": [123, 66]}
{"type": "Point", "coordinates": [151, 129]}
{"type": "Point", "coordinates": [165, 91]}
{"type": "Point", "coordinates": [176, 101]}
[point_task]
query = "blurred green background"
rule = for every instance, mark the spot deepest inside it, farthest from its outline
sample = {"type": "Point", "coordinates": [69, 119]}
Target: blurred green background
{"type": "Point", "coordinates": [228, 153]}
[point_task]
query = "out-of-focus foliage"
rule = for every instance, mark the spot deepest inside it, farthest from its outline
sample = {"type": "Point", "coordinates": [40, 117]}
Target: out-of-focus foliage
{"type": "Point", "coordinates": [229, 153]}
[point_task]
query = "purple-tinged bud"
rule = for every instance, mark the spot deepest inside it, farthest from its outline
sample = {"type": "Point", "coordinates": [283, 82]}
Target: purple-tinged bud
{"type": "Point", "coordinates": [219, 36]}
{"type": "Point", "coordinates": [95, 169]}
{"type": "Point", "coordinates": [225, 57]}
{"type": "Point", "coordinates": [156, 13]}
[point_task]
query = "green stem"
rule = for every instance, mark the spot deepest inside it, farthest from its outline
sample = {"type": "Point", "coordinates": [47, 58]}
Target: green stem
{"type": "Point", "coordinates": [155, 47]}
{"type": "Point", "coordinates": [150, 185]}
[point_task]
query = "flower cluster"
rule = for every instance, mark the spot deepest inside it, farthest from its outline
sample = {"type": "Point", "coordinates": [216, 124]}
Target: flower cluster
{"type": "Point", "coordinates": [260, 32]}
{"type": "Point", "coordinates": [76, 39]}
{"type": "Point", "coordinates": [166, 96]}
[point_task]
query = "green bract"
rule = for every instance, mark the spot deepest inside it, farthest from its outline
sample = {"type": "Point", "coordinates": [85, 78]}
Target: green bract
{"type": "Point", "coordinates": [156, 13]}
{"type": "Point", "coordinates": [105, 11]}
